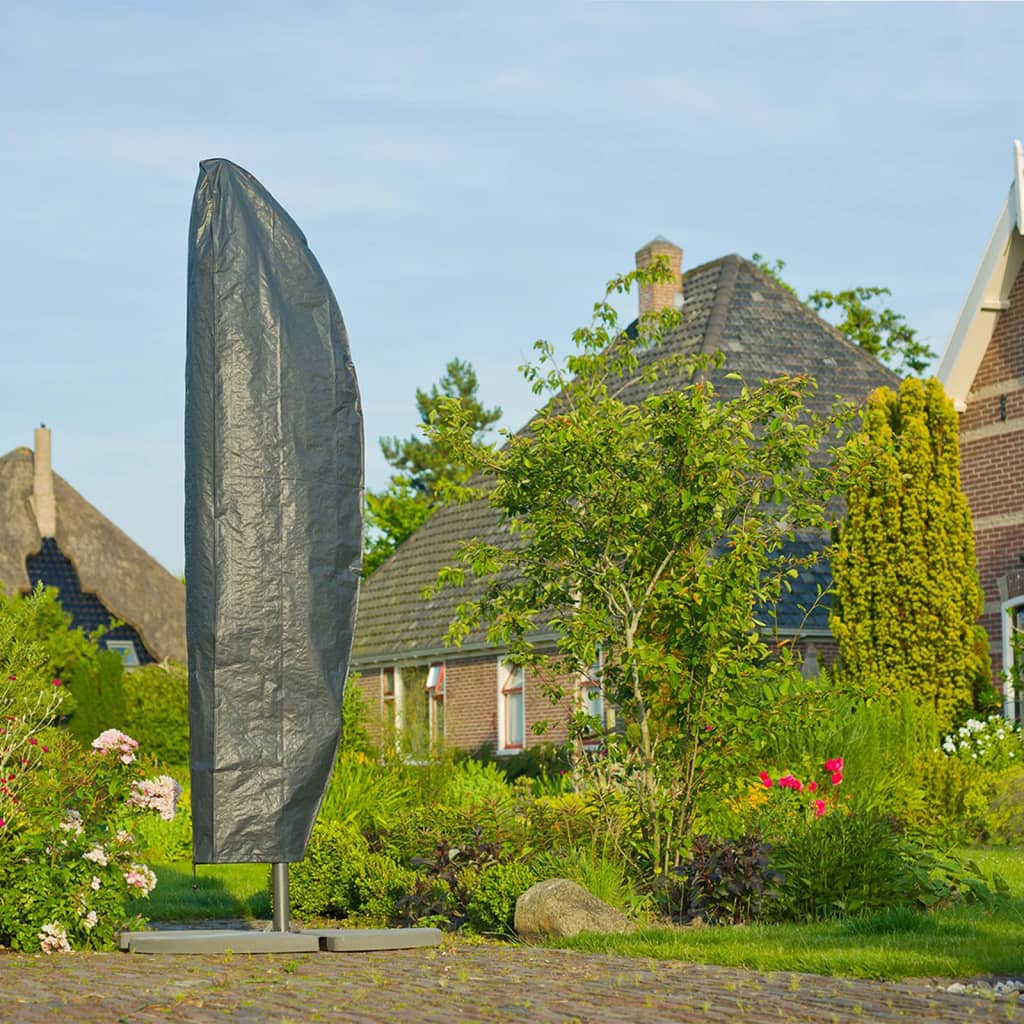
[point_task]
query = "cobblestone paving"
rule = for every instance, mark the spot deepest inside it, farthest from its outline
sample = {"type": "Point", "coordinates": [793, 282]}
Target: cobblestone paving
{"type": "Point", "coordinates": [457, 983]}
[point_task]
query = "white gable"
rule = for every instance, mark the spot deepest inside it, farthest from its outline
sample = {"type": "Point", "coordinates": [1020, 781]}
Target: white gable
{"type": "Point", "coordinates": [989, 294]}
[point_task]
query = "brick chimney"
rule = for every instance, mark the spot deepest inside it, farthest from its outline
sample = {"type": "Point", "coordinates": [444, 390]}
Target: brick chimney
{"type": "Point", "coordinates": [43, 503]}
{"type": "Point", "coordinates": [656, 297]}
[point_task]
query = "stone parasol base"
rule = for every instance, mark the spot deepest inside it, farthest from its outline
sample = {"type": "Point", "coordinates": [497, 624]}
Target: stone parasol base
{"type": "Point", "coordinates": [306, 940]}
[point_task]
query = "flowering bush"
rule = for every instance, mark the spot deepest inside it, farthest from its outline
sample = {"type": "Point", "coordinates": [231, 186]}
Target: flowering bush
{"type": "Point", "coordinates": [995, 743]}
{"type": "Point", "coordinates": [68, 858]}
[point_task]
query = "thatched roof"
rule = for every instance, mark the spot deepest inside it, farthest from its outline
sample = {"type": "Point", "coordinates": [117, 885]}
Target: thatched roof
{"type": "Point", "coordinates": [130, 583]}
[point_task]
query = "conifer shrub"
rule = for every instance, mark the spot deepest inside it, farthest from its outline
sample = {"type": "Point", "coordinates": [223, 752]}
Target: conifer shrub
{"type": "Point", "coordinates": [907, 594]}
{"type": "Point", "coordinates": [156, 710]}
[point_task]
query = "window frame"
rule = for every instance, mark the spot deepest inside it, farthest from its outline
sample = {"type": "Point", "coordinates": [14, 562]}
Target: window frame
{"type": "Point", "coordinates": [511, 696]}
{"type": "Point", "coordinates": [1012, 617]}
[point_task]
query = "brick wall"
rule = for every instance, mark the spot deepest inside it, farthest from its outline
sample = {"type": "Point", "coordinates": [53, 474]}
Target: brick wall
{"type": "Point", "coordinates": [992, 466]}
{"type": "Point", "coordinates": [471, 705]}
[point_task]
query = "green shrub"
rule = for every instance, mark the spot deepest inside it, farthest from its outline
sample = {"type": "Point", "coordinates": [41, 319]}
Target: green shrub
{"type": "Point", "coordinates": [68, 856]}
{"type": "Point", "coordinates": [156, 710]}
{"type": "Point", "coordinates": [471, 784]}
{"type": "Point", "coordinates": [858, 863]}
{"type": "Point", "coordinates": [1004, 817]}
{"type": "Point", "coordinates": [728, 882]}
{"type": "Point", "coordinates": [956, 798]}
{"type": "Point", "coordinates": [97, 684]}
{"type": "Point", "coordinates": [355, 736]}
{"type": "Point", "coordinates": [324, 884]}
{"type": "Point", "coordinates": [379, 884]}
{"type": "Point", "coordinates": [492, 903]}
{"type": "Point", "coordinates": [168, 842]}
{"type": "Point", "coordinates": [364, 794]}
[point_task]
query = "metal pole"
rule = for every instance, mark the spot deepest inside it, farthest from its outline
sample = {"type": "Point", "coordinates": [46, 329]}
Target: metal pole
{"type": "Point", "coordinates": [282, 901]}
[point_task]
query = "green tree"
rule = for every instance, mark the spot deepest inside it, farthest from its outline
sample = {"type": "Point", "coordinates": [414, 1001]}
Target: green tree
{"type": "Point", "coordinates": [422, 465]}
{"type": "Point", "coordinates": [865, 321]}
{"type": "Point", "coordinates": [906, 587]}
{"type": "Point", "coordinates": [652, 532]}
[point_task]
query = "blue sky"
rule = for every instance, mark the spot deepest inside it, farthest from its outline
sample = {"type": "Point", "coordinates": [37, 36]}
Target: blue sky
{"type": "Point", "coordinates": [469, 176]}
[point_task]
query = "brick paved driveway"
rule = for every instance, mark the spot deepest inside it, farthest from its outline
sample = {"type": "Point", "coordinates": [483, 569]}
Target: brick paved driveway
{"type": "Point", "coordinates": [490, 983]}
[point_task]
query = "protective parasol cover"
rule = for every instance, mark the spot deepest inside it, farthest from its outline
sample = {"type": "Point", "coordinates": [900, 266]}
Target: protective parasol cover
{"type": "Point", "coordinates": [273, 522]}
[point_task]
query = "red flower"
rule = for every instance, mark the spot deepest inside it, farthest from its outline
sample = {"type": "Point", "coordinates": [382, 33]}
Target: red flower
{"type": "Point", "coordinates": [834, 765]}
{"type": "Point", "coordinates": [819, 808]}
{"type": "Point", "coordinates": [766, 779]}
{"type": "Point", "coordinates": [55, 682]}
{"type": "Point", "coordinates": [837, 777]}
{"type": "Point", "coordinates": [812, 786]}
{"type": "Point", "coordinates": [32, 740]}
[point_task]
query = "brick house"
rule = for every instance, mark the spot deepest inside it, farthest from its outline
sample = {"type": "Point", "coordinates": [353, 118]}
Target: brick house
{"type": "Point", "coordinates": [982, 369]}
{"type": "Point", "coordinates": [50, 534]}
{"type": "Point", "coordinates": [470, 697]}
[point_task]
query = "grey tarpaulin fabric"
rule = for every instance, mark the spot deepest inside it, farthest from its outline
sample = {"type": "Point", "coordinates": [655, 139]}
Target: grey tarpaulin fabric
{"type": "Point", "coordinates": [273, 522]}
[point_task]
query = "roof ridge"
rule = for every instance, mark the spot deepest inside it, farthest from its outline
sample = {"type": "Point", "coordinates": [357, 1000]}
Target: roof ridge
{"type": "Point", "coordinates": [724, 290]}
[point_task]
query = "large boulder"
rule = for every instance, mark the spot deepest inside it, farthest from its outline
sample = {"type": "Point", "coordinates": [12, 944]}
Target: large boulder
{"type": "Point", "coordinates": [558, 908]}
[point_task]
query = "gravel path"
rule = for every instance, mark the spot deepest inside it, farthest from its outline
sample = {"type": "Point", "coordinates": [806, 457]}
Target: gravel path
{"type": "Point", "coordinates": [455, 983]}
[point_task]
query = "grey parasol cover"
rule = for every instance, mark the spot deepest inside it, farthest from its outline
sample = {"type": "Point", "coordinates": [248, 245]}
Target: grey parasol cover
{"type": "Point", "coordinates": [273, 522]}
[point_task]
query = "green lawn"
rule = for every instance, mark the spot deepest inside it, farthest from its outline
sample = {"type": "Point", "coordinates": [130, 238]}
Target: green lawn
{"type": "Point", "coordinates": [968, 939]}
{"type": "Point", "coordinates": [965, 940]}
{"type": "Point", "coordinates": [223, 891]}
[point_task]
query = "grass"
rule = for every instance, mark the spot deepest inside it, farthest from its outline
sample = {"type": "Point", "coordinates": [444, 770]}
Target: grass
{"type": "Point", "coordinates": [223, 891]}
{"type": "Point", "coordinates": [961, 941]}
{"type": "Point", "coordinates": [966, 940]}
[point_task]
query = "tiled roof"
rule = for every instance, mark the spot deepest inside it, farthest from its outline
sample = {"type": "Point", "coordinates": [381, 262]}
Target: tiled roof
{"type": "Point", "coordinates": [129, 583]}
{"type": "Point", "coordinates": [730, 306]}
{"type": "Point", "coordinates": [87, 612]}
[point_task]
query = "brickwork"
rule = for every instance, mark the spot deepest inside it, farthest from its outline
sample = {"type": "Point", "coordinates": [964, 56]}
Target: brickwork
{"type": "Point", "coordinates": [656, 297]}
{"type": "Point", "coordinates": [471, 705]}
{"type": "Point", "coordinates": [992, 465]}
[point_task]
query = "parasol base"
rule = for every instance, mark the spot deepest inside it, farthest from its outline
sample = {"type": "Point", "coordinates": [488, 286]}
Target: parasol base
{"type": "Point", "coordinates": [307, 940]}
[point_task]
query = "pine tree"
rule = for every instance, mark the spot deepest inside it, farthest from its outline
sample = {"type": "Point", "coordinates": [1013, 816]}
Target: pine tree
{"type": "Point", "coordinates": [907, 594]}
{"type": "Point", "coordinates": [422, 465]}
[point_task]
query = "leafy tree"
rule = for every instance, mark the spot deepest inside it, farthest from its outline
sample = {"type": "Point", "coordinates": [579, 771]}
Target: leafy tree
{"type": "Point", "coordinates": [652, 532]}
{"type": "Point", "coordinates": [422, 465]}
{"type": "Point", "coordinates": [877, 329]}
{"type": "Point", "coordinates": [906, 587]}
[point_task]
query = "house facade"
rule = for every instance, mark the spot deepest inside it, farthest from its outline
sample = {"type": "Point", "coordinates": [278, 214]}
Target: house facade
{"type": "Point", "coordinates": [50, 534]}
{"type": "Point", "coordinates": [471, 697]}
{"type": "Point", "coordinates": [982, 369]}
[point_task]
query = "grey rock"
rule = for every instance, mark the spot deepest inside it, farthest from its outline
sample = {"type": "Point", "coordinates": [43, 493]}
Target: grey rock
{"type": "Point", "coordinates": [558, 908]}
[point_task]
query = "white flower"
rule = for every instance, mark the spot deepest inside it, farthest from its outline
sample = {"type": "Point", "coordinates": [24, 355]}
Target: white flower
{"type": "Point", "coordinates": [112, 739]}
{"type": "Point", "coordinates": [72, 822]}
{"type": "Point", "coordinates": [97, 855]}
{"type": "Point", "coordinates": [140, 877]}
{"type": "Point", "coordinates": [90, 920]}
{"type": "Point", "coordinates": [95, 883]}
{"type": "Point", "coordinates": [948, 745]}
{"type": "Point", "coordinates": [159, 794]}
{"type": "Point", "coordinates": [54, 939]}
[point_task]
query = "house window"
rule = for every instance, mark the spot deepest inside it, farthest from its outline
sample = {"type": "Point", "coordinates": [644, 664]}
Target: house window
{"type": "Point", "coordinates": [389, 699]}
{"type": "Point", "coordinates": [591, 700]}
{"type": "Point", "coordinates": [1013, 653]}
{"type": "Point", "coordinates": [511, 707]}
{"type": "Point", "coordinates": [436, 699]}
{"type": "Point", "coordinates": [126, 649]}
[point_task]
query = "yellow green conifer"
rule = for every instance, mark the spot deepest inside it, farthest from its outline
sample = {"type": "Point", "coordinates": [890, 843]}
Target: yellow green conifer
{"type": "Point", "coordinates": [906, 589]}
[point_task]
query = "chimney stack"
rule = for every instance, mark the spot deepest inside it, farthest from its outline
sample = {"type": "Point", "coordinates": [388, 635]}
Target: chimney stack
{"type": "Point", "coordinates": [668, 295]}
{"type": "Point", "coordinates": [43, 502]}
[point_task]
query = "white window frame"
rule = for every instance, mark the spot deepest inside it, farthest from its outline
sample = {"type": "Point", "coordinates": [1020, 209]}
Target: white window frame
{"type": "Point", "coordinates": [436, 677]}
{"type": "Point", "coordinates": [1013, 607]}
{"type": "Point", "coordinates": [129, 656]}
{"type": "Point", "coordinates": [506, 673]}
{"type": "Point", "coordinates": [395, 698]}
